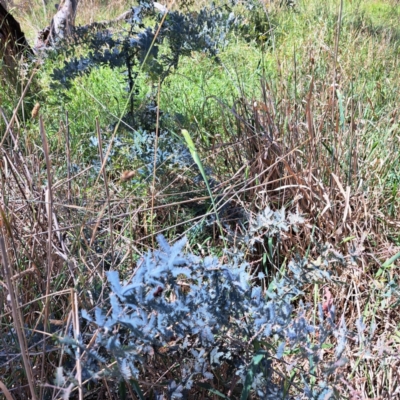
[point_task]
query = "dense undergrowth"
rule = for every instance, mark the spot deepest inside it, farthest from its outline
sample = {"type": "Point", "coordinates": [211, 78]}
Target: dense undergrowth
{"type": "Point", "coordinates": [284, 211]}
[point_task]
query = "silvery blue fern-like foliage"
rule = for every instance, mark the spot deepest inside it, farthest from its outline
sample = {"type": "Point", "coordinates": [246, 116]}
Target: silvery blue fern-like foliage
{"type": "Point", "coordinates": [208, 315]}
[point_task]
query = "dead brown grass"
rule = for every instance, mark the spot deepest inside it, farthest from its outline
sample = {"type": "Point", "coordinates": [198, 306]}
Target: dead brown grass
{"type": "Point", "coordinates": [281, 146]}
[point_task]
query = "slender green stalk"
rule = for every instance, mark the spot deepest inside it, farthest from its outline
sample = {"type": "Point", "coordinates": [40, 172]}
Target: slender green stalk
{"type": "Point", "coordinates": [196, 158]}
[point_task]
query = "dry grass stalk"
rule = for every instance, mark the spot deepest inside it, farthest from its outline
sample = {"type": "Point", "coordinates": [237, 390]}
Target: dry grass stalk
{"type": "Point", "coordinates": [6, 392]}
{"type": "Point", "coordinates": [17, 318]}
{"type": "Point", "coordinates": [49, 208]}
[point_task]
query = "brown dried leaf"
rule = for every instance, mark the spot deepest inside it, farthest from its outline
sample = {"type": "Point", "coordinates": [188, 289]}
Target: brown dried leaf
{"type": "Point", "coordinates": [35, 111]}
{"type": "Point", "coordinates": [126, 175]}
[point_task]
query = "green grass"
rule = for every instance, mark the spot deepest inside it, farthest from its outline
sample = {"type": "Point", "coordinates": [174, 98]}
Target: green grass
{"type": "Point", "coordinates": [200, 83]}
{"type": "Point", "coordinates": [385, 13]}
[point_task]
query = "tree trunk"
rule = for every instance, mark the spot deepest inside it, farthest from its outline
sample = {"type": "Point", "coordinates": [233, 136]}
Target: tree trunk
{"type": "Point", "coordinates": [64, 20]}
{"type": "Point", "coordinates": [13, 45]}
{"type": "Point", "coordinates": [61, 25]}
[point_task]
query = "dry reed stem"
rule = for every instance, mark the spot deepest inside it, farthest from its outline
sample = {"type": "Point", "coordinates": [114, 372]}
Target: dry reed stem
{"type": "Point", "coordinates": [153, 185]}
{"type": "Point", "coordinates": [76, 326]}
{"type": "Point", "coordinates": [18, 321]}
{"type": "Point", "coordinates": [6, 392]}
{"type": "Point", "coordinates": [49, 207]}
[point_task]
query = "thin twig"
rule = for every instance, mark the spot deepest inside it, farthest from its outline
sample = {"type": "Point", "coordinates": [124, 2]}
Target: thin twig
{"type": "Point", "coordinates": [153, 186]}
{"type": "Point", "coordinates": [68, 154]}
{"type": "Point", "coordinates": [75, 320]}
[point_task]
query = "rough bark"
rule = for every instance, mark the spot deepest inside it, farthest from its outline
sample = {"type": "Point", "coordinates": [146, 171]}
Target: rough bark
{"type": "Point", "coordinates": [63, 21]}
{"type": "Point", "coordinates": [61, 25]}
{"type": "Point", "coordinates": [13, 44]}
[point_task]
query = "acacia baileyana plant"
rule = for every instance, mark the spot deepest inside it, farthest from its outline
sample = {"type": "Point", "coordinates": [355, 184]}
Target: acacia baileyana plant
{"type": "Point", "coordinates": [203, 325]}
{"type": "Point", "coordinates": [151, 40]}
